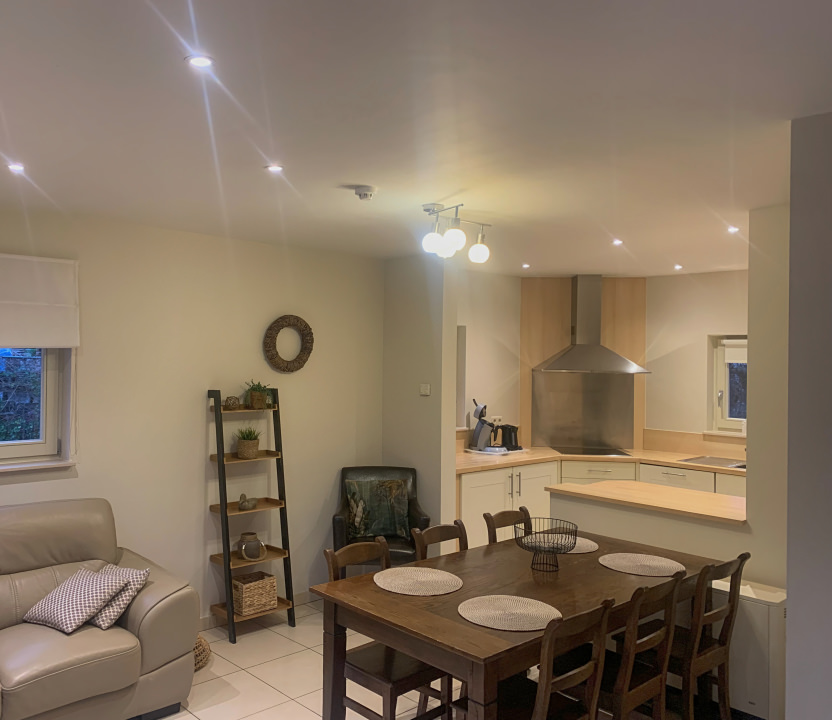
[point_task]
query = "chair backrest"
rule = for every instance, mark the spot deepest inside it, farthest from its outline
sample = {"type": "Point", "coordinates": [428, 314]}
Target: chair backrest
{"type": "Point", "coordinates": [437, 534]}
{"type": "Point", "coordinates": [361, 553]}
{"type": "Point", "coordinates": [376, 473]}
{"type": "Point", "coordinates": [644, 603]}
{"type": "Point", "coordinates": [506, 518]}
{"type": "Point", "coordinates": [703, 616]}
{"type": "Point", "coordinates": [563, 636]}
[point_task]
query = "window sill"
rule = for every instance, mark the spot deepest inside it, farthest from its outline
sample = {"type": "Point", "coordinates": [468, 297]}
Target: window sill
{"type": "Point", "coordinates": [724, 434]}
{"type": "Point", "coordinates": [23, 466]}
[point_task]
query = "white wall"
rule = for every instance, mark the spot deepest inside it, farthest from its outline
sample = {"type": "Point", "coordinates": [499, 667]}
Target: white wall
{"type": "Point", "coordinates": [809, 624]}
{"type": "Point", "coordinates": [167, 315]}
{"type": "Point", "coordinates": [489, 307]}
{"type": "Point", "coordinates": [682, 311]}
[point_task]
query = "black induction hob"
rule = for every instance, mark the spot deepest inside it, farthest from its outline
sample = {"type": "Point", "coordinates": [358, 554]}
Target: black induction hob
{"type": "Point", "coordinates": [591, 451]}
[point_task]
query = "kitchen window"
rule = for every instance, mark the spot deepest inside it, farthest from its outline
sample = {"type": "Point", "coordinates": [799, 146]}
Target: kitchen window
{"type": "Point", "coordinates": [729, 394]}
{"type": "Point", "coordinates": [33, 395]}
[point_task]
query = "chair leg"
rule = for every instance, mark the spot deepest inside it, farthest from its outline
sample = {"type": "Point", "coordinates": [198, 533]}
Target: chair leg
{"type": "Point", "coordinates": [389, 699]}
{"type": "Point", "coordinates": [446, 689]}
{"type": "Point", "coordinates": [422, 706]}
{"type": "Point", "coordinates": [463, 692]}
{"type": "Point", "coordinates": [687, 697]}
{"type": "Point", "coordinates": [703, 692]}
{"type": "Point", "coordinates": [659, 705]}
{"type": "Point", "coordinates": [722, 690]}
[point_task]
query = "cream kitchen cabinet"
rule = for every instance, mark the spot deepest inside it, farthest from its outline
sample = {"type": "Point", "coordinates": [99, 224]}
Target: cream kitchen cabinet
{"type": "Point", "coordinates": [730, 484]}
{"type": "Point", "coordinates": [504, 489]}
{"type": "Point", "coordinates": [583, 472]}
{"type": "Point", "coordinates": [677, 477]}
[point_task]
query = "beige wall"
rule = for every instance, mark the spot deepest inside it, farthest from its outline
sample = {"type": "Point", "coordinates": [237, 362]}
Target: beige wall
{"type": "Point", "coordinates": [165, 316]}
{"type": "Point", "coordinates": [682, 311]}
{"type": "Point", "coordinates": [489, 307]}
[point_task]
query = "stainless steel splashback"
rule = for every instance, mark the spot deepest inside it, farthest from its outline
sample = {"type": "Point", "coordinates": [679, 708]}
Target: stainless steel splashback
{"type": "Point", "coordinates": [582, 409]}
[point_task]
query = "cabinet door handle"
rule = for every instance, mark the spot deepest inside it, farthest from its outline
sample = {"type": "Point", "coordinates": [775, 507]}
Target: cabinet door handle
{"type": "Point", "coordinates": [594, 470]}
{"type": "Point", "coordinates": [665, 472]}
{"type": "Point", "coordinates": [519, 484]}
{"type": "Point", "coordinates": [511, 486]}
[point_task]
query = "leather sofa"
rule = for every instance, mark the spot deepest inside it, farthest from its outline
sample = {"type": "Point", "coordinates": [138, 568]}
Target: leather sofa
{"type": "Point", "coordinates": [142, 667]}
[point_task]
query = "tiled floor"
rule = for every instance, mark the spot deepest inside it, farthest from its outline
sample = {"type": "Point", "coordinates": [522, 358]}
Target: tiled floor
{"type": "Point", "coordinates": [275, 672]}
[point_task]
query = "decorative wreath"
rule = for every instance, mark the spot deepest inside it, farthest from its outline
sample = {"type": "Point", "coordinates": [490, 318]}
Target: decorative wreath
{"type": "Point", "coordinates": [307, 340]}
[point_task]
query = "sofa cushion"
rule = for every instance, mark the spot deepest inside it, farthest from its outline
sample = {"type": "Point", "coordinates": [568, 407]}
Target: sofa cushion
{"type": "Point", "coordinates": [42, 669]}
{"type": "Point", "coordinates": [377, 508]}
{"type": "Point", "coordinates": [134, 581]}
{"type": "Point", "coordinates": [75, 600]}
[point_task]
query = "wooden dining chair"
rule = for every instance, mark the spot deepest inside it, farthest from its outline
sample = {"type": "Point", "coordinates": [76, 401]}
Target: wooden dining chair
{"type": "Point", "coordinates": [381, 669]}
{"type": "Point", "coordinates": [573, 694]}
{"type": "Point", "coordinates": [628, 681]}
{"type": "Point", "coordinates": [438, 534]}
{"type": "Point", "coordinates": [506, 518]}
{"type": "Point", "coordinates": [696, 653]}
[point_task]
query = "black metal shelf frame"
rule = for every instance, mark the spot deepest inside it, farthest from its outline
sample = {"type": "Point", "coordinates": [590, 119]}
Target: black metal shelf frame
{"type": "Point", "coordinates": [216, 396]}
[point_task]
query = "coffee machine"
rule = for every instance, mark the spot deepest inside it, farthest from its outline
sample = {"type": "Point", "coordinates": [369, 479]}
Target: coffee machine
{"type": "Point", "coordinates": [481, 439]}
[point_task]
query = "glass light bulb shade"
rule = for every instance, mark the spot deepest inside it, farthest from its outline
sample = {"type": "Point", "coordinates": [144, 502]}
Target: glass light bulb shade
{"type": "Point", "coordinates": [447, 248]}
{"type": "Point", "coordinates": [456, 237]}
{"type": "Point", "coordinates": [431, 242]}
{"type": "Point", "coordinates": [479, 253]}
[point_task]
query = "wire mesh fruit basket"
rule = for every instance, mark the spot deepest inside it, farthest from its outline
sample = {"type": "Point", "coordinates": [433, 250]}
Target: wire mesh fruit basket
{"type": "Point", "coordinates": [546, 538]}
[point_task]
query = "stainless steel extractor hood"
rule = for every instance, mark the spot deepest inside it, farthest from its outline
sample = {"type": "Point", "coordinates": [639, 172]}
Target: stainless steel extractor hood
{"type": "Point", "coordinates": [586, 354]}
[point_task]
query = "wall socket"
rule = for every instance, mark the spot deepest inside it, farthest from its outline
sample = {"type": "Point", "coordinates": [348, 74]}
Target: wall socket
{"type": "Point", "coordinates": [496, 419]}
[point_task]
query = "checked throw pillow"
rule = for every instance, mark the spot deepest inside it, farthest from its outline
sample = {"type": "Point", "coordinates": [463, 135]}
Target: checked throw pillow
{"type": "Point", "coordinates": [75, 600]}
{"type": "Point", "coordinates": [134, 581]}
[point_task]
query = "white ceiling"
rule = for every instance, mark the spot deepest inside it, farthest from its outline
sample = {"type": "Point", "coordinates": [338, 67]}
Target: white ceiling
{"type": "Point", "coordinates": [563, 123]}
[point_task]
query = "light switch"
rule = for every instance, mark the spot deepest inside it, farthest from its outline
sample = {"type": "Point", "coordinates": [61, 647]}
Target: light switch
{"type": "Point", "coordinates": [424, 389]}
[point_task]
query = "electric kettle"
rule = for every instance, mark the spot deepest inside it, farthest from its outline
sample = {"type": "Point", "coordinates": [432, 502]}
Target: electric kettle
{"type": "Point", "coordinates": [508, 437]}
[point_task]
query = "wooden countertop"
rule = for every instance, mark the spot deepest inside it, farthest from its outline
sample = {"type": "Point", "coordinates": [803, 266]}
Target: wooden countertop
{"type": "Point", "coordinates": [680, 501]}
{"type": "Point", "coordinates": [472, 462]}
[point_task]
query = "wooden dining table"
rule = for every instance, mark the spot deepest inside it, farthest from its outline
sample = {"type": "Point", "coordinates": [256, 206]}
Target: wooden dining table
{"type": "Point", "coordinates": [431, 629]}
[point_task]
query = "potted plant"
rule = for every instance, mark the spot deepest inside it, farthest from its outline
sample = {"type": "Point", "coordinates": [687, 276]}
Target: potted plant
{"type": "Point", "coordinates": [248, 443]}
{"type": "Point", "coordinates": [257, 395]}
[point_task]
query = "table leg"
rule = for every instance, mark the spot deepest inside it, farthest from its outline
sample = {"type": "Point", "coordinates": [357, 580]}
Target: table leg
{"type": "Point", "coordinates": [335, 653]}
{"type": "Point", "coordinates": [482, 694]}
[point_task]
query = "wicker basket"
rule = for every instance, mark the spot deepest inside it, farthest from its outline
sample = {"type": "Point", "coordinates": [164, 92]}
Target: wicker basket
{"type": "Point", "coordinates": [202, 653]}
{"type": "Point", "coordinates": [254, 593]}
{"type": "Point", "coordinates": [247, 449]}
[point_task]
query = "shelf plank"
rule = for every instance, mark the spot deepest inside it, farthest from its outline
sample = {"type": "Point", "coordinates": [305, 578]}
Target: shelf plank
{"type": "Point", "coordinates": [272, 553]}
{"type": "Point", "coordinates": [231, 458]}
{"type": "Point", "coordinates": [220, 611]}
{"type": "Point", "coordinates": [243, 410]}
{"type": "Point", "coordinates": [263, 505]}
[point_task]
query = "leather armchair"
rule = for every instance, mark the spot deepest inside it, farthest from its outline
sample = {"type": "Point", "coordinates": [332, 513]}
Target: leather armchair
{"type": "Point", "coordinates": [142, 667]}
{"type": "Point", "coordinates": [402, 550]}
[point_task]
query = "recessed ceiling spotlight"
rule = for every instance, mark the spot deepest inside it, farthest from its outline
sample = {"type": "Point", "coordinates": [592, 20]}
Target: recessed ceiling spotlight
{"type": "Point", "coordinates": [200, 61]}
{"type": "Point", "coordinates": [274, 169]}
{"type": "Point", "coordinates": [16, 168]}
{"type": "Point", "coordinates": [733, 229]}
{"type": "Point", "coordinates": [677, 266]}
{"type": "Point", "coordinates": [526, 266]}
{"type": "Point", "coordinates": [616, 241]}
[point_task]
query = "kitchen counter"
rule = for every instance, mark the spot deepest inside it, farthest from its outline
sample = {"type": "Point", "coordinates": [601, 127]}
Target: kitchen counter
{"type": "Point", "coordinates": [473, 462]}
{"type": "Point", "coordinates": [679, 501]}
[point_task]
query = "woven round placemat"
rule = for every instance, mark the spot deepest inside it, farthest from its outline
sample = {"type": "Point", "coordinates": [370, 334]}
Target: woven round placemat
{"type": "Point", "coordinates": [635, 564]}
{"type": "Point", "coordinates": [508, 612]}
{"type": "Point", "coordinates": [202, 653]}
{"type": "Point", "coordinates": [583, 545]}
{"type": "Point", "coordinates": [417, 581]}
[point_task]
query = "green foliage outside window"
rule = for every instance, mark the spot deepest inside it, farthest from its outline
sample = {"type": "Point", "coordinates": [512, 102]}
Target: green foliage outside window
{"type": "Point", "coordinates": [21, 375]}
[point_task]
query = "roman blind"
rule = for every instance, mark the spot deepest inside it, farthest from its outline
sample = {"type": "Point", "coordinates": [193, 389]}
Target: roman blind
{"type": "Point", "coordinates": [736, 351]}
{"type": "Point", "coordinates": [38, 302]}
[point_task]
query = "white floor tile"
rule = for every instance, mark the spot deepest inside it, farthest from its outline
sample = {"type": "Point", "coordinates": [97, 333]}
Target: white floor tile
{"type": "Point", "coordinates": [181, 715]}
{"type": "Point", "coordinates": [304, 610]}
{"type": "Point", "coordinates": [255, 648]}
{"type": "Point", "coordinates": [373, 701]}
{"type": "Point", "coordinates": [308, 631]}
{"type": "Point", "coordinates": [317, 605]}
{"type": "Point", "coordinates": [220, 632]}
{"type": "Point", "coordinates": [314, 701]}
{"type": "Point", "coordinates": [318, 649]}
{"type": "Point", "coordinates": [287, 711]}
{"type": "Point", "coordinates": [281, 618]}
{"type": "Point", "coordinates": [232, 697]}
{"type": "Point", "coordinates": [294, 675]}
{"type": "Point", "coordinates": [217, 667]}
{"type": "Point", "coordinates": [356, 640]}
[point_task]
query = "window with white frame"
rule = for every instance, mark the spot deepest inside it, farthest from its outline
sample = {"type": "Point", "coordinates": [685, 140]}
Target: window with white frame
{"type": "Point", "coordinates": [729, 389]}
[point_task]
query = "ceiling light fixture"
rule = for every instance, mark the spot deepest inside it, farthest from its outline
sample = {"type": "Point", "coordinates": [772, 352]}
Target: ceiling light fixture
{"type": "Point", "coordinates": [16, 167]}
{"type": "Point", "coordinates": [274, 169]}
{"type": "Point", "coordinates": [453, 240]}
{"type": "Point", "coordinates": [677, 266]}
{"type": "Point", "coordinates": [526, 266]}
{"type": "Point", "coordinates": [200, 61]}
{"type": "Point", "coordinates": [733, 229]}
{"type": "Point", "coordinates": [616, 241]}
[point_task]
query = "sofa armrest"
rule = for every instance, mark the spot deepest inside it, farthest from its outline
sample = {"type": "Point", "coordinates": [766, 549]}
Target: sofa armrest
{"type": "Point", "coordinates": [164, 616]}
{"type": "Point", "coordinates": [417, 517]}
{"type": "Point", "coordinates": [340, 520]}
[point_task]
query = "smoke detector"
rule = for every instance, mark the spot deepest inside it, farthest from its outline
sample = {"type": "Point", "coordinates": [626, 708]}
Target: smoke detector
{"type": "Point", "coordinates": [362, 192]}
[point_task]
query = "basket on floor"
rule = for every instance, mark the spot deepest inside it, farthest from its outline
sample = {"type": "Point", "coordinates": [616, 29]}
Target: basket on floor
{"type": "Point", "coordinates": [202, 653]}
{"type": "Point", "coordinates": [254, 593]}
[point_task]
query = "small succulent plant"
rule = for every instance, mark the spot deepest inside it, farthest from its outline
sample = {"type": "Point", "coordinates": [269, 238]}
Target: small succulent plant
{"type": "Point", "coordinates": [257, 387]}
{"type": "Point", "coordinates": [248, 433]}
